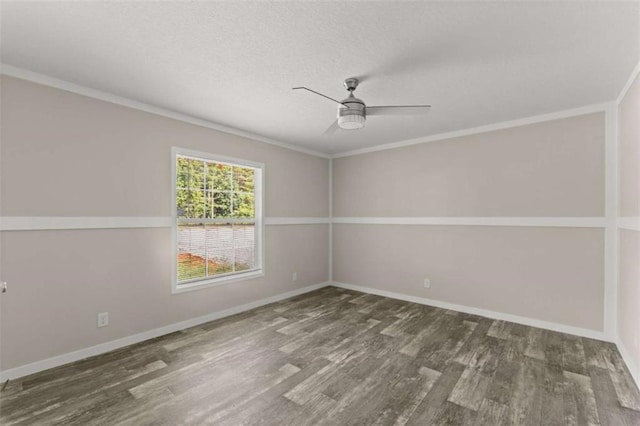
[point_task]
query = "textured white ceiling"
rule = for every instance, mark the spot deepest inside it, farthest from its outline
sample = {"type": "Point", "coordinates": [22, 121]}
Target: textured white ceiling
{"type": "Point", "coordinates": [234, 63]}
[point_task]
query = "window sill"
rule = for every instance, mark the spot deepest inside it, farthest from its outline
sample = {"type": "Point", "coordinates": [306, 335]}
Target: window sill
{"type": "Point", "coordinates": [214, 282]}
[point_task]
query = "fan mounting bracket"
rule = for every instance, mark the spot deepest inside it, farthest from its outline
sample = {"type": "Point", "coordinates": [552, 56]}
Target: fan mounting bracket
{"type": "Point", "coordinates": [351, 83]}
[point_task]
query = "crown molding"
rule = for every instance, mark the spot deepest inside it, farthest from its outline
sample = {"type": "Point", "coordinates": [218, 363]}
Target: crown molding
{"type": "Point", "coordinates": [628, 84]}
{"type": "Point", "coordinates": [46, 80]}
{"type": "Point", "coordinates": [589, 109]}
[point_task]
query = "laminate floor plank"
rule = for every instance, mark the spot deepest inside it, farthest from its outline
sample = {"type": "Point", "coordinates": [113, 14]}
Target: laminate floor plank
{"type": "Point", "coordinates": [502, 386]}
{"type": "Point", "coordinates": [481, 358]}
{"type": "Point", "coordinates": [573, 356]}
{"type": "Point", "coordinates": [346, 370]}
{"type": "Point", "coordinates": [536, 344]}
{"type": "Point", "coordinates": [439, 351]}
{"type": "Point", "coordinates": [553, 390]}
{"type": "Point", "coordinates": [273, 406]}
{"type": "Point", "coordinates": [406, 395]}
{"type": "Point", "coordinates": [579, 401]}
{"type": "Point", "coordinates": [628, 394]}
{"type": "Point", "coordinates": [338, 357]}
{"type": "Point", "coordinates": [432, 328]}
{"type": "Point", "coordinates": [492, 413]}
{"type": "Point", "coordinates": [595, 352]}
{"type": "Point", "coordinates": [453, 414]}
{"type": "Point", "coordinates": [470, 389]}
{"type": "Point", "coordinates": [553, 349]}
{"type": "Point", "coordinates": [609, 410]}
{"type": "Point", "coordinates": [435, 402]}
{"type": "Point", "coordinates": [500, 329]}
{"type": "Point", "coordinates": [480, 349]}
{"type": "Point", "coordinates": [410, 321]}
{"type": "Point", "coordinates": [383, 307]}
{"type": "Point", "coordinates": [368, 394]}
{"type": "Point", "coordinates": [525, 400]}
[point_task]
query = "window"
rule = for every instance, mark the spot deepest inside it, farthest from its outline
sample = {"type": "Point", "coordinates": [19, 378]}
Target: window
{"type": "Point", "coordinates": [217, 219]}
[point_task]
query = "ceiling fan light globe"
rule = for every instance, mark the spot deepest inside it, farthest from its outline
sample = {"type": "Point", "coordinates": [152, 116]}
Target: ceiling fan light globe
{"type": "Point", "coordinates": [351, 122]}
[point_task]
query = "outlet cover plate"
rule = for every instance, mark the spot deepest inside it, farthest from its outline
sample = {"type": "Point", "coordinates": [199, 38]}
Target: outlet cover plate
{"type": "Point", "coordinates": [103, 319]}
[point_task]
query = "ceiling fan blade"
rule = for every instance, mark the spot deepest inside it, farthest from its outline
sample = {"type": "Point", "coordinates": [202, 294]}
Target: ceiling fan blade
{"type": "Point", "coordinates": [397, 109]}
{"type": "Point", "coordinates": [331, 129]}
{"type": "Point", "coordinates": [318, 93]}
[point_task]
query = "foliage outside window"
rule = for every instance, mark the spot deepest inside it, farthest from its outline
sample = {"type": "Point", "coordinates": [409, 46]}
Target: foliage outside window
{"type": "Point", "coordinates": [218, 223]}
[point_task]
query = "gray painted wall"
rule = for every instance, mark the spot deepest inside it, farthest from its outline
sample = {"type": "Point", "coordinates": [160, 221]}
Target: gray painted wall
{"type": "Point", "coordinates": [60, 279]}
{"type": "Point", "coordinates": [548, 169]}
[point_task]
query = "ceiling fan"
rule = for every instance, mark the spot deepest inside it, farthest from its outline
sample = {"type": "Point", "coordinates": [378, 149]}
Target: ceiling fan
{"type": "Point", "coordinates": [353, 112]}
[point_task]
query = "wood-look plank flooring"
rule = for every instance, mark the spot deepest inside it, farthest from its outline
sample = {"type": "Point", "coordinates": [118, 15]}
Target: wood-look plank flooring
{"type": "Point", "coordinates": [338, 357]}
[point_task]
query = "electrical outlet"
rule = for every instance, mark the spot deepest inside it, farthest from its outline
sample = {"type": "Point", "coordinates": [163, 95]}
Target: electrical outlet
{"type": "Point", "coordinates": [294, 276]}
{"type": "Point", "coordinates": [103, 319]}
{"type": "Point", "coordinates": [427, 283]}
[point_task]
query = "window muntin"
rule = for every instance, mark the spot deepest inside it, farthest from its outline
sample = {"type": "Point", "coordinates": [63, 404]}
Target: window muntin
{"type": "Point", "coordinates": [218, 223]}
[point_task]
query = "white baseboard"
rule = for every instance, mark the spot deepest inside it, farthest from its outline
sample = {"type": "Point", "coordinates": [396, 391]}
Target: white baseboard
{"type": "Point", "coordinates": [45, 364]}
{"type": "Point", "coordinates": [69, 357]}
{"type": "Point", "coordinates": [583, 332]}
{"type": "Point", "coordinates": [632, 363]}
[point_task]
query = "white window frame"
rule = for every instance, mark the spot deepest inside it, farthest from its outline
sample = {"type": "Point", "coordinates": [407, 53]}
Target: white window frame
{"type": "Point", "coordinates": [258, 270]}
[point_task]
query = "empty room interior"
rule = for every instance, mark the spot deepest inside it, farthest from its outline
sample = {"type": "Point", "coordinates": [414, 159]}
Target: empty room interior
{"type": "Point", "coordinates": [320, 213]}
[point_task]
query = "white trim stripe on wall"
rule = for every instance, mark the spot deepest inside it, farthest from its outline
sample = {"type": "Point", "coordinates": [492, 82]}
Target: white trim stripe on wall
{"type": "Point", "coordinates": [296, 220]}
{"type": "Point", "coordinates": [33, 223]}
{"type": "Point", "coordinates": [611, 211]}
{"type": "Point", "coordinates": [565, 222]}
{"type": "Point", "coordinates": [331, 219]}
{"type": "Point", "coordinates": [631, 223]}
{"type": "Point", "coordinates": [41, 223]}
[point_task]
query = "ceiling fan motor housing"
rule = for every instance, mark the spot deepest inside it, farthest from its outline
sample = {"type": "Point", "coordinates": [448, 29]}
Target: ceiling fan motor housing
{"type": "Point", "coordinates": [351, 114]}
